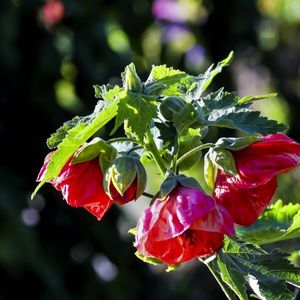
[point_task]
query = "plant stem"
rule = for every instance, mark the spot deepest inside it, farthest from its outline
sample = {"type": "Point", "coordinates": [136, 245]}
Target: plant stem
{"type": "Point", "coordinates": [121, 139]}
{"type": "Point", "coordinates": [148, 195]}
{"type": "Point", "coordinates": [193, 151]}
{"type": "Point", "coordinates": [227, 291]}
{"type": "Point", "coordinates": [151, 147]}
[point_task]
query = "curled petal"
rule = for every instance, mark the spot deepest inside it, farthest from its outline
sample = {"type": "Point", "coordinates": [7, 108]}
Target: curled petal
{"type": "Point", "coordinates": [191, 244]}
{"type": "Point", "coordinates": [185, 225]}
{"type": "Point", "coordinates": [261, 161]}
{"type": "Point", "coordinates": [218, 220]}
{"type": "Point", "coordinates": [42, 172]}
{"type": "Point", "coordinates": [99, 209]}
{"type": "Point", "coordinates": [244, 204]}
{"type": "Point", "coordinates": [182, 207]}
{"type": "Point", "coordinates": [81, 184]}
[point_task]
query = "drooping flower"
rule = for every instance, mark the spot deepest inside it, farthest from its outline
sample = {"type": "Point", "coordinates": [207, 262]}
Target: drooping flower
{"type": "Point", "coordinates": [81, 185]}
{"type": "Point", "coordinates": [184, 225]}
{"type": "Point", "coordinates": [248, 193]}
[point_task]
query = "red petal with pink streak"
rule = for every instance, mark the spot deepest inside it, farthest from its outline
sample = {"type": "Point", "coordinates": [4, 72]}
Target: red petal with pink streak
{"type": "Point", "coordinates": [185, 225]}
{"type": "Point", "coordinates": [182, 207]}
{"type": "Point", "coordinates": [244, 204]}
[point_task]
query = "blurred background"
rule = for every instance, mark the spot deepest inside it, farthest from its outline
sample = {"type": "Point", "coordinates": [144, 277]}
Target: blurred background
{"type": "Point", "coordinates": [51, 53]}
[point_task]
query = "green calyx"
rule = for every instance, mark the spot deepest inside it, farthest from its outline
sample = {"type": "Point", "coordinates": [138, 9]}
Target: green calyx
{"type": "Point", "coordinates": [122, 172]}
{"type": "Point", "coordinates": [97, 147]}
{"type": "Point", "coordinates": [236, 144]}
{"type": "Point", "coordinates": [131, 80]}
{"type": "Point", "coordinates": [223, 160]}
{"type": "Point", "coordinates": [173, 181]}
{"type": "Point", "coordinates": [210, 171]}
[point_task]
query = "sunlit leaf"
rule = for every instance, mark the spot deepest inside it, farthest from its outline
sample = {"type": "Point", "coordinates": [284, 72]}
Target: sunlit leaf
{"type": "Point", "coordinates": [277, 223]}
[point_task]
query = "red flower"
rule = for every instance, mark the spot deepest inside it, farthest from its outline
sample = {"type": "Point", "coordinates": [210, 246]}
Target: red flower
{"type": "Point", "coordinates": [52, 12]}
{"type": "Point", "coordinates": [185, 225]}
{"type": "Point", "coordinates": [247, 194]}
{"type": "Point", "coordinates": [129, 194]}
{"type": "Point", "coordinates": [81, 185]}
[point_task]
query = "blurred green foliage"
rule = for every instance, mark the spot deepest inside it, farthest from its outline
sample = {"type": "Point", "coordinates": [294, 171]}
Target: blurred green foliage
{"type": "Point", "coordinates": [51, 251]}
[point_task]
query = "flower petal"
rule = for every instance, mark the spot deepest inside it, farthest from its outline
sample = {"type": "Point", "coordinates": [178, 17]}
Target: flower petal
{"type": "Point", "coordinates": [98, 210]}
{"type": "Point", "coordinates": [261, 161]}
{"type": "Point", "coordinates": [81, 184]}
{"type": "Point", "coordinates": [191, 244]}
{"type": "Point", "coordinates": [217, 220]}
{"type": "Point", "coordinates": [181, 208]}
{"type": "Point", "coordinates": [244, 204]}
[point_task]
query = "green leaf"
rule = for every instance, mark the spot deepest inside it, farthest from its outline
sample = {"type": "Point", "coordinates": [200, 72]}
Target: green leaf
{"type": "Point", "coordinates": [266, 273]}
{"type": "Point", "coordinates": [247, 99]}
{"type": "Point", "coordinates": [221, 109]}
{"type": "Point", "coordinates": [168, 135]}
{"type": "Point", "coordinates": [74, 138]}
{"type": "Point", "coordinates": [174, 80]}
{"type": "Point", "coordinates": [62, 131]}
{"type": "Point", "coordinates": [138, 110]}
{"type": "Point", "coordinates": [188, 118]}
{"type": "Point", "coordinates": [279, 222]}
{"type": "Point", "coordinates": [203, 81]}
{"type": "Point", "coordinates": [106, 91]}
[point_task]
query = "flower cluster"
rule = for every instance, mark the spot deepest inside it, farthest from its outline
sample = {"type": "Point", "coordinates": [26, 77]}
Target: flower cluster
{"type": "Point", "coordinates": [182, 222]}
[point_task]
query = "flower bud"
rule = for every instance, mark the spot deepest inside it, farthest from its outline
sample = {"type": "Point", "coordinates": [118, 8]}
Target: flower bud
{"type": "Point", "coordinates": [171, 105]}
{"type": "Point", "coordinates": [154, 88]}
{"type": "Point", "coordinates": [131, 80]}
{"type": "Point", "coordinates": [125, 179]}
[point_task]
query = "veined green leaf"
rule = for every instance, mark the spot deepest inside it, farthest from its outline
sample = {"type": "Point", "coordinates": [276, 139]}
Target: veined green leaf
{"type": "Point", "coordinates": [267, 274]}
{"type": "Point", "coordinates": [138, 110]}
{"type": "Point", "coordinates": [62, 131]}
{"type": "Point", "coordinates": [279, 222]}
{"type": "Point", "coordinates": [203, 81]}
{"type": "Point", "coordinates": [107, 92]}
{"type": "Point", "coordinates": [221, 109]}
{"type": "Point", "coordinates": [74, 138]}
{"type": "Point", "coordinates": [173, 79]}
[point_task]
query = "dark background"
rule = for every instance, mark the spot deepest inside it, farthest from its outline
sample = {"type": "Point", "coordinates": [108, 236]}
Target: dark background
{"type": "Point", "coordinates": [51, 251]}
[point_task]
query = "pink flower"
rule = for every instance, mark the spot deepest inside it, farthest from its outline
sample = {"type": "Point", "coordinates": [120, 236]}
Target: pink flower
{"type": "Point", "coordinates": [247, 194]}
{"type": "Point", "coordinates": [185, 225]}
{"type": "Point", "coordinates": [53, 11]}
{"type": "Point", "coordinates": [81, 185]}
